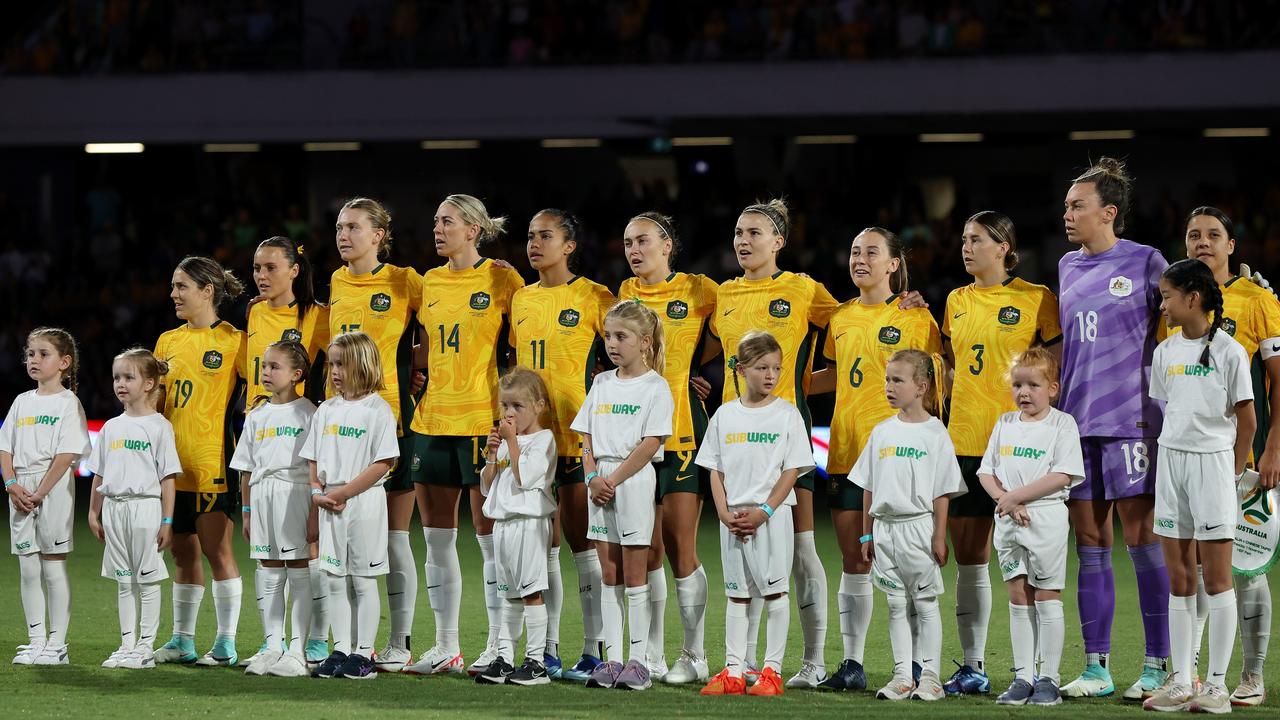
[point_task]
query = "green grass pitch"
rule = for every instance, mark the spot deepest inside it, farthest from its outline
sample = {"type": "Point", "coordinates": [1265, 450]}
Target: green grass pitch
{"type": "Point", "coordinates": [85, 690]}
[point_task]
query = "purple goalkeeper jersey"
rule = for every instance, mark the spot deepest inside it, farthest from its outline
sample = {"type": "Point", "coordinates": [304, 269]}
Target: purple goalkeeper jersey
{"type": "Point", "coordinates": [1110, 310]}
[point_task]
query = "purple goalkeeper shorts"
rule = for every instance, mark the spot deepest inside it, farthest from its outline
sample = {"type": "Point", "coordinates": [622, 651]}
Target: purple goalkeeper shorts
{"type": "Point", "coordinates": [1116, 468]}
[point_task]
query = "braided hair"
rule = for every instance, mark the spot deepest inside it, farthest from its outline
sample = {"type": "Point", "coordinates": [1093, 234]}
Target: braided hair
{"type": "Point", "coordinates": [1193, 276]}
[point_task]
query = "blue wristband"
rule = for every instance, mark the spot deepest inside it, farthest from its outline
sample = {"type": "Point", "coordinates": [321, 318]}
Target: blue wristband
{"type": "Point", "coordinates": [246, 508]}
{"type": "Point", "coordinates": [166, 521]}
{"type": "Point", "coordinates": [591, 476]}
{"type": "Point", "coordinates": [317, 491]}
{"type": "Point", "coordinates": [9, 482]}
{"type": "Point", "coordinates": [768, 511]}
{"type": "Point", "coordinates": [866, 538]}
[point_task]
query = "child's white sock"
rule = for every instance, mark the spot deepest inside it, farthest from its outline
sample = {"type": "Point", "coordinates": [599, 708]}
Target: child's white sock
{"type": "Point", "coordinates": [59, 592]}
{"type": "Point", "coordinates": [33, 605]}
{"type": "Point", "coordinates": [492, 603]}
{"type": "Point", "coordinates": [1052, 635]}
{"type": "Point", "coordinates": [775, 633]}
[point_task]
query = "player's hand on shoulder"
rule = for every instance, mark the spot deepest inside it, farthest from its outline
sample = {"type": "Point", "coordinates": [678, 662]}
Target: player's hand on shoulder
{"type": "Point", "coordinates": [911, 300]}
{"type": "Point", "coordinates": [1256, 277]}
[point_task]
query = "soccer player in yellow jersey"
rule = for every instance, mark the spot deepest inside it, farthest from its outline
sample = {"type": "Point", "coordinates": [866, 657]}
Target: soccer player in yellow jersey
{"type": "Point", "coordinates": [556, 328]}
{"type": "Point", "coordinates": [684, 302]}
{"type": "Point", "coordinates": [985, 324]}
{"type": "Point", "coordinates": [465, 308]}
{"type": "Point", "coordinates": [1251, 315]}
{"type": "Point", "coordinates": [206, 360]}
{"type": "Point", "coordinates": [861, 337]}
{"type": "Point", "coordinates": [379, 300]}
{"type": "Point", "coordinates": [793, 309]}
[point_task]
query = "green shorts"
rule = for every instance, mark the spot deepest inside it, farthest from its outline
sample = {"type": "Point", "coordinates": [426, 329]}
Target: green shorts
{"type": "Point", "coordinates": [569, 471]}
{"type": "Point", "coordinates": [842, 494]}
{"type": "Point", "coordinates": [678, 473]}
{"type": "Point", "coordinates": [187, 506]}
{"type": "Point", "coordinates": [807, 481]}
{"type": "Point", "coordinates": [399, 479]}
{"type": "Point", "coordinates": [449, 460]}
{"type": "Point", "coordinates": [976, 502]}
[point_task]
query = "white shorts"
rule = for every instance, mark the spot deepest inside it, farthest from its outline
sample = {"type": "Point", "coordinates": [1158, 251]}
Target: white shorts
{"type": "Point", "coordinates": [48, 530]}
{"type": "Point", "coordinates": [520, 548]}
{"type": "Point", "coordinates": [1038, 551]}
{"type": "Point", "coordinates": [628, 519]}
{"type": "Point", "coordinates": [354, 541]}
{"type": "Point", "coordinates": [903, 563]}
{"type": "Point", "coordinates": [130, 526]}
{"type": "Point", "coordinates": [278, 520]}
{"type": "Point", "coordinates": [761, 565]}
{"type": "Point", "coordinates": [1196, 495]}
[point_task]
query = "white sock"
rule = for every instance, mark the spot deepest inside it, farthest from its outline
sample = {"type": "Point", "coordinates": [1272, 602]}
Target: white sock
{"type": "Point", "coordinates": [1202, 617]}
{"type": "Point", "coordinates": [973, 613]}
{"type": "Point", "coordinates": [402, 587]}
{"type": "Point", "coordinates": [226, 605]}
{"type": "Point", "coordinates": [611, 602]}
{"type": "Point", "coordinates": [855, 604]}
{"type": "Point", "coordinates": [811, 597]}
{"type": "Point", "coordinates": [149, 616]}
{"type": "Point", "coordinates": [554, 599]}
{"type": "Point", "coordinates": [1024, 642]}
{"type": "Point", "coordinates": [1254, 600]}
{"type": "Point", "coordinates": [657, 646]}
{"type": "Point", "coordinates": [535, 621]}
{"type": "Point", "coordinates": [260, 594]}
{"type": "Point", "coordinates": [1182, 617]}
{"type": "Point", "coordinates": [775, 633]}
{"type": "Point", "coordinates": [1222, 635]}
{"type": "Point", "coordinates": [913, 622]}
{"type": "Point", "coordinates": [127, 609]}
{"type": "Point", "coordinates": [33, 605]}
{"type": "Point", "coordinates": [319, 629]}
{"type": "Point", "coordinates": [492, 603]}
{"type": "Point", "coordinates": [735, 638]}
{"type": "Point", "coordinates": [186, 607]}
{"type": "Point", "coordinates": [340, 601]}
{"type": "Point", "coordinates": [368, 607]}
{"type": "Point", "coordinates": [638, 618]}
{"type": "Point", "coordinates": [900, 636]}
{"type": "Point", "coordinates": [754, 610]}
{"type": "Point", "coordinates": [589, 594]}
{"type": "Point", "coordinates": [299, 580]}
{"type": "Point", "coordinates": [1035, 632]}
{"type": "Point", "coordinates": [272, 605]}
{"type": "Point", "coordinates": [59, 592]}
{"type": "Point", "coordinates": [444, 584]}
{"type": "Point", "coordinates": [509, 628]}
{"type": "Point", "coordinates": [691, 596]}
{"type": "Point", "coordinates": [929, 622]}
{"type": "Point", "coordinates": [1052, 635]}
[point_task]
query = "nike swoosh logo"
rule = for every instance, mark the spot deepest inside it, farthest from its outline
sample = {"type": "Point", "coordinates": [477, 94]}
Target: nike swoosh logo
{"type": "Point", "coordinates": [63, 542]}
{"type": "Point", "coordinates": [35, 625]}
{"type": "Point", "coordinates": [846, 332]}
{"type": "Point", "coordinates": [1252, 617]}
{"type": "Point", "coordinates": [490, 582]}
{"type": "Point", "coordinates": [260, 598]}
{"type": "Point", "coordinates": [845, 612]}
{"type": "Point", "coordinates": [432, 303]}
{"type": "Point", "coordinates": [395, 593]}
{"type": "Point", "coordinates": [126, 632]}
{"type": "Point", "coordinates": [633, 642]}
{"type": "Point", "coordinates": [923, 587]}
{"type": "Point", "coordinates": [334, 302]}
{"type": "Point", "coordinates": [288, 550]}
{"type": "Point", "coordinates": [1042, 577]}
{"type": "Point", "coordinates": [521, 321]}
{"type": "Point", "coordinates": [633, 532]}
{"type": "Point", "coordinates": [1211, 528]}
{"type": "Point", "coordinates": [959, 315]}
{"type": "Point", "coordinates": [144, 574]}
{"type": "Point", "coordinates": [1275, 348]}
{"type": "Point", "coordinates": [377, 563]}
{"type": "Point", "coordinates": [1017, 669]}
{"type": "Point", "coordinates": [726, 312]}
{"type": "Point", "coordinates": [682, 478]}
{"type": "Point", "coordinates": [803, 607]}
{"type": "Point", "coordinates": [959, 614]}
{"type": "Point", "coordinates": [146, 637]}
{"type": "Point", "coordinates": [1136, 480]}
{"type": "Point", "coordinates": [429, 587]}
{"type": "Point", "coordinates": [775, 581]}
{"type": "Point", "coordinates": [255, 332]}
{"type": "Point", "coordinates": [527, 584]}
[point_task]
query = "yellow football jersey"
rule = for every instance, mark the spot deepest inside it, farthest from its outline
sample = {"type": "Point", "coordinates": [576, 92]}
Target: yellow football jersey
{"type": "Point", "coordinates": [860, 339]}
{"type": "Point", "coordinates": [462, 314]}
{"type": "Point", "coordinates": [987, 327]}
{"type": "Point", "coordinates": [1250, 314]}
{"type": "Point", "coordinates": [791, 308]}
{"type": "Point", "coordinates": [683, 302]}
{"type": "Point", "coordinates": [203, 367]}
{"type": "Point", "coordinates": [380, 305]}
{"type": "Point", "coordinates": [554, 332]}
{"type": "Point", "coordinates": [267, 325]}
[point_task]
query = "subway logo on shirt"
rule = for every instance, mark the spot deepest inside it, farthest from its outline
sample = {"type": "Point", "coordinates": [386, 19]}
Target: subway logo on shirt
{"type": "Point", "coordinates": [38, 420]}
{"type": "Point", "coordinates": [617, 409]}
{"type": "Point", "coordinates": [751, 437]}
{"type": "Point", "coordinates": [344, 431]}
{"type": "Point", "coordinates": [1015, 451]}
{"type": "Point", "coordinates": [909, 453]}
{"type": "Point", "coordinates": [1192, 370]}
{"type": "Point", "coordinates": [267, 433]}
{"type": "Point", "coordinates": [126, 444]}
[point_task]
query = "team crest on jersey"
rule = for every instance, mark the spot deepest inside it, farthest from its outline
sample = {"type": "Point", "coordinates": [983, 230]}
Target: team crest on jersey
{"type": "Point", "coordinates": [212, 359]}
{"type": "Point", "coordinates": [890, 335]}
{"type": "Point", "coordinates": [1120, 286]}
{"type": "Point", "coordinates": [480, 301]}
{"type": "Point", "coordinates": [1229, 325]}
{"type": "Point", "coordinates": [780, 308]}
{"type": "Point", "coordinates": [570, 317]}
{"type": "Point", "coordinates": [677, 310]}
{"type": "Point", "coordinates": [1009, 315]}
{"type": "Point", "coordinates": [380, 302]}
{"type": "Point", "coordinates": [292, 334]}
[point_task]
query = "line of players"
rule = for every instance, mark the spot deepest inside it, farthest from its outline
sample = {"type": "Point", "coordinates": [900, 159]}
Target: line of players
{"type": "Point", "coordinates": [1108, 317]}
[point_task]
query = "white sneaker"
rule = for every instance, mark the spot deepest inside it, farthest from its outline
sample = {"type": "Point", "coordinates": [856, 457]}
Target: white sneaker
{"type": "Point", "coordinates": [1250, 691]}
{"type": "Point", "coordinates": [483, 662]}
{"type": "Point", "coordinates": [929, 688]}
{"type": "Point", "coordinates": [899, 688]}
{"type": "Point", "coordinates": [52, 655]}
{"type": "Point", "coordinates": [27, 654]}
{"type": "Point", "coordinates": [289, 665]}
{"type": "Point", "coordinates": [436, 661]}
{"type": "Point", "coordinates": [809, 676]}
{"type": "Point", "coordinates": [1174, 697]}
{"type": "Point", "coordinates": [1213, 699]}
{"type": "Point", "coordinates": [392, 659]}
{"type": "Point", "coordinates": [246, 662]}
{"type": "Point", "coordinates": [262, 662]}
{"type": "Point", "coordinates": [116, 657]}
{"type": "Point", "coordinates": [687, 669]}
{"type": "Point", "coordinates": [139, 659]}
{"type": "Point", "coordinates": [657, 667]}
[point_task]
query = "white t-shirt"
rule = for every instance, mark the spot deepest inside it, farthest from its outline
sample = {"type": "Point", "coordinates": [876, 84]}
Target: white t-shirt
{"type": "Point", "coordinates": [38, 427]}
{"type": "Point", "coordinates": [533, 498]}
{"type": "Point", "coordinates": [618, 413]}
{"type": "Point", "coordinates": [348, 436]}
{"type": "Point", "coordinates": [1200, 414]}
{"type": "Point", "coordinates": [907, 466]}
{"type": "Point", "coordinates": [1020, 452]}
{"type": "Point", "coordinates": [752, 447]}
{"type": "Point", "coordinates": [133, 455]}
{"type": "Point", "coordinates": [272, 440]}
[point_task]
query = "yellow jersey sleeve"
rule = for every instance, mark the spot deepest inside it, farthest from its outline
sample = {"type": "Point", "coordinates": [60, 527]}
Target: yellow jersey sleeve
{"type": "Point", "coordinates": [1048, 325]}
{"type": "Point", "coordinates": [1250, 314]}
